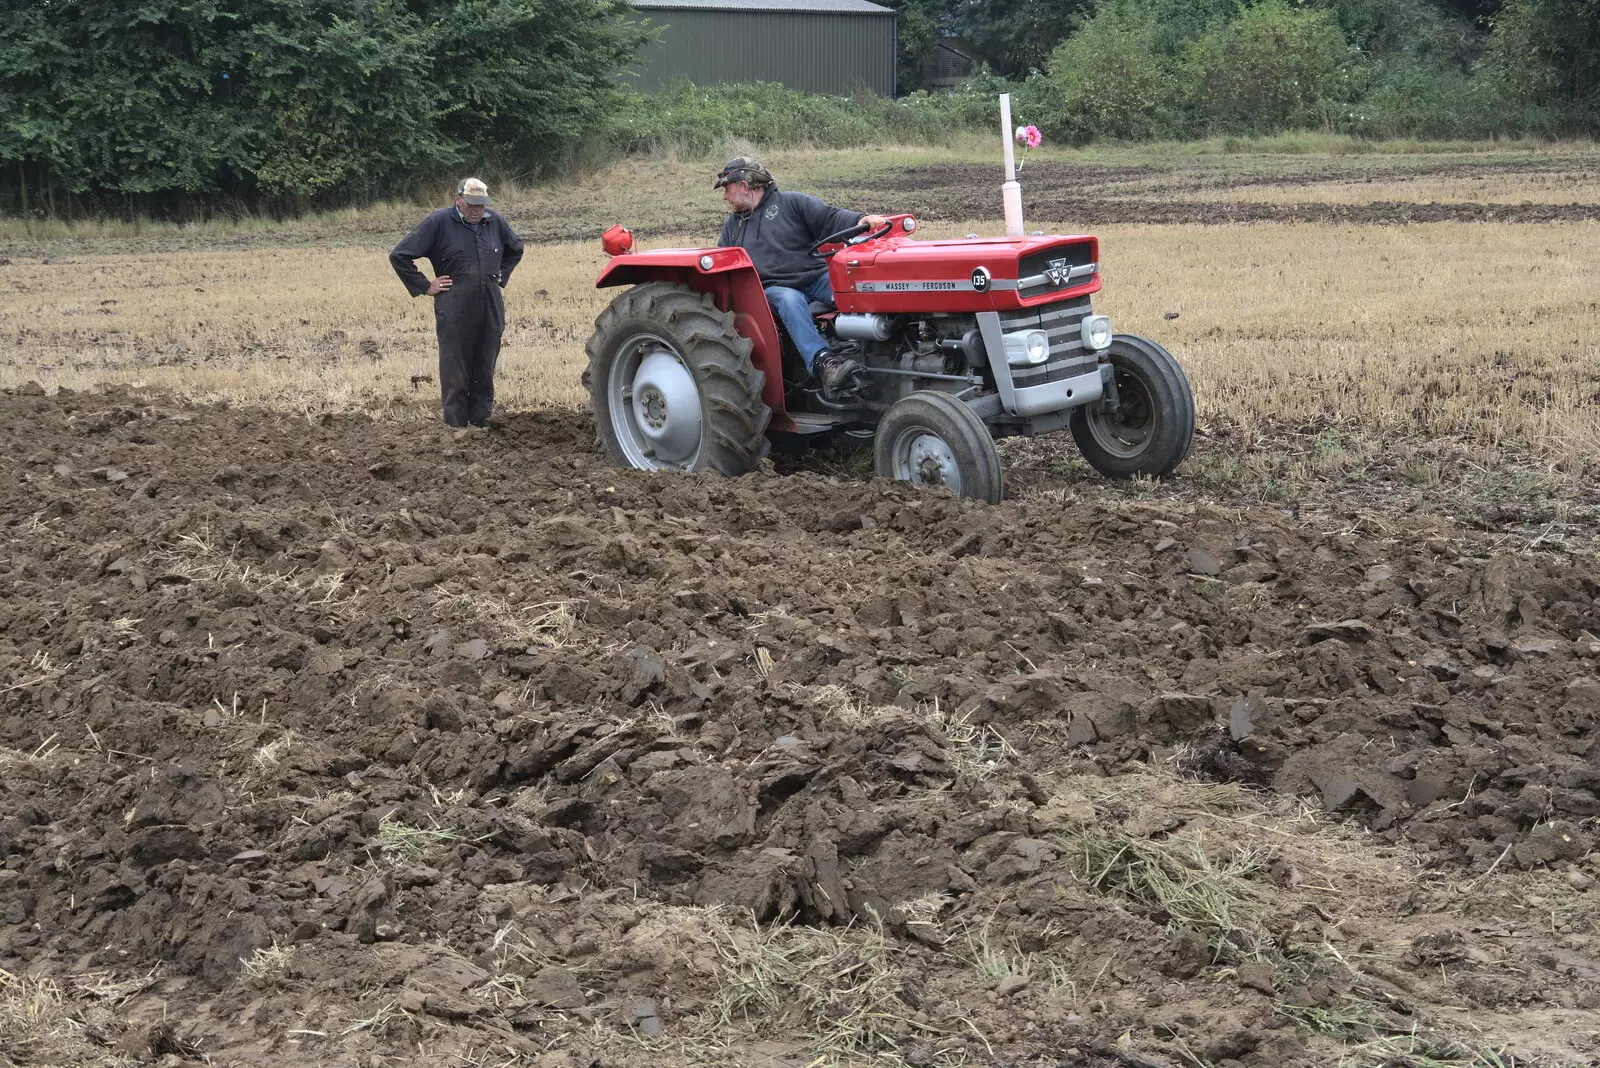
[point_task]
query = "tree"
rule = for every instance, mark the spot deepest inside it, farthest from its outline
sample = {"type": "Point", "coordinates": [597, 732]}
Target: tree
{"type": "Point", "coordinates": [336, 95]}
{"type": "Point", "coordinates": [1429, 31]}
{"type": "Point", "coordinates": [162, 103]}
{"type": "Point", "coordinates": [1547, 53]}
{"type": "Point", "coordinates": [1272, 67]}
{"type": "Point", "coordinates": [107, 94]}
{"type": "Point", "coordinates": [918, 26]}
{"type": "Point", "coordinates": [1480, 13]}
{"type": "Point", "coordinates": [527, 80]}
{"type": "Point", "coordinates": [1018, 36]}
{"type": "Point", "coordinates": [1113, 82]}
{"type": "Point", "coordinates": [1168, 27]}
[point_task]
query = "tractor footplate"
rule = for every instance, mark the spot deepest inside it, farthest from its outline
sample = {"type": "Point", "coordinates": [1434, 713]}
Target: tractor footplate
{"type": "Point", "coordinates": [835, 401]}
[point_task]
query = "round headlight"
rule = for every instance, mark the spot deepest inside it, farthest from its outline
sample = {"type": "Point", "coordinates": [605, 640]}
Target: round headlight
{"type": "Point", "coordinates": [1097, 332]}
{"type": "Point", "coordinates": [1038, 346]}
{"type": "Point", "coordinates": [706, 262]}
{"type": "Point", "coordinates": [908, 224]}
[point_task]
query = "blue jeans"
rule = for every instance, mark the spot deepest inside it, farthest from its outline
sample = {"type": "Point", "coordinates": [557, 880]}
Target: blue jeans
{"type": "Point", "coordinates": [793, 308]}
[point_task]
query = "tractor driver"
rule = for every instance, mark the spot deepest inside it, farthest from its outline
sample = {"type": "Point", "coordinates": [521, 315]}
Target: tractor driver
{"type": "Point", "coordinates": [778, 230]}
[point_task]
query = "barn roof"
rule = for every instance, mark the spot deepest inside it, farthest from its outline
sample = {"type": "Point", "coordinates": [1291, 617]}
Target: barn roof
{"type": "Point", "coordinates": [841, 7]}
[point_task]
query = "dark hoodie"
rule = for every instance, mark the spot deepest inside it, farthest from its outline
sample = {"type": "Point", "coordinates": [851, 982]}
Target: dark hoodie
{"type": "Point", "coordinates": [779, 232]}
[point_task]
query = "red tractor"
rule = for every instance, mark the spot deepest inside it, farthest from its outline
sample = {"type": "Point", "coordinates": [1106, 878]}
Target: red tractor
{"type": "Point", "coordinates": [960, 342]}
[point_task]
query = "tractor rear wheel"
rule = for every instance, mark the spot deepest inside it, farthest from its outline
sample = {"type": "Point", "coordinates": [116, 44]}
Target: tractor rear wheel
{"type": "Point", "coordinates": [932, 439]}
{"type": "Point", "coordinates": [672, 384]}
{"type": "Point", "coordinates": [1150, 430]}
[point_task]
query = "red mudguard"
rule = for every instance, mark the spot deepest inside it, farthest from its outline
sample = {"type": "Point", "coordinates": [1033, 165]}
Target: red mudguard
{"type": "Point", "coordinates": [732, 281]}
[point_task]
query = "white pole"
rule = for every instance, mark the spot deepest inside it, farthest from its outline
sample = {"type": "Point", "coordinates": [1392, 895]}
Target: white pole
{"type": "Point", "coordinates": [1011, 191]}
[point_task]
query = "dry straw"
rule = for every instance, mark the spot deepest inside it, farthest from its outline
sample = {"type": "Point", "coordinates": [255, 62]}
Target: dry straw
{"type": "Point", "coordinates": [1485, 331]}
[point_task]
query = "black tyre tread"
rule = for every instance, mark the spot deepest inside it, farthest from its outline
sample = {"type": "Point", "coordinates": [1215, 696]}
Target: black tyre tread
{"type": "Point", "coordinates": [1183, 391]}
{"type": "Point", "coordinates": [973, 438]}
{"type": "Point", "coordinates": [1169, 390]}
{"type": "Point", "coordinates": [730, 384]}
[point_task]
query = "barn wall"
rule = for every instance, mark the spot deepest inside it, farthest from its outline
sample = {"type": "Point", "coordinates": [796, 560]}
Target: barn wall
{"type": "Point", "coordinates": [811, 51]}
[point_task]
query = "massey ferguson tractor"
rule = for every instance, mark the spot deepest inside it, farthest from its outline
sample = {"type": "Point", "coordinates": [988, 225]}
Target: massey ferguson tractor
{"type": "Point", "coordinates": [960, 342]}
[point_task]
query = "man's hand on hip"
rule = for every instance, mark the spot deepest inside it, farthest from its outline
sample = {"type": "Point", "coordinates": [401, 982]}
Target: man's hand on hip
{"type": "Point", "coordinates": [438, 285]}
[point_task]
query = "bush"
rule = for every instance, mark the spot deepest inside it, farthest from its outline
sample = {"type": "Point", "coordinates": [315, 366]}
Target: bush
{"type": "Point", "coordinates": [1272, 68]}
{"type": "Point", "coordinates": [1409, 100]}
{"type": "Point", "coordinates": [975, 104]}
{"type": "Point", "coordinates": [1112, 83]}
{"type": "Point", "coordinates": [1544, 57]}
{"type": "Point", "coordinates": [290, 101]}
{"type": "Point", "coordinates": [700, 118]}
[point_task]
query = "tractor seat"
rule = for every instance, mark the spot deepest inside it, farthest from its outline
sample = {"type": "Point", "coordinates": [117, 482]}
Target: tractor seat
{"type": "Point", "coordinates": [822, 307]}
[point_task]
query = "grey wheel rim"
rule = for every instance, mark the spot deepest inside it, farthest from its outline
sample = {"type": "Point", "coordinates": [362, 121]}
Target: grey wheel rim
{"type": "Point", "coordinates": [655, 405]}
{"type": "Point", "coordinates": [1127, 436]}
{"type": "Point", "coordinates": [923, 457]}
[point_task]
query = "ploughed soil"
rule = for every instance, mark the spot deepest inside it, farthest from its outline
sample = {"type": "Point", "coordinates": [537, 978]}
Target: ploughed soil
{"type": "Point", "coordinates": [331, 741]}
{"type": "Point", "coordinates": [1105, 195]}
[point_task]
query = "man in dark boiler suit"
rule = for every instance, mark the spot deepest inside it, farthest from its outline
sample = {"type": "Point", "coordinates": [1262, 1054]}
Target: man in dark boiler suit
{"type": "Point", "coordinates": [473, 251]}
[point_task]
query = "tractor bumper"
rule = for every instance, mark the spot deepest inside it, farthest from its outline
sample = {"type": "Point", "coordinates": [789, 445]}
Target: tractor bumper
{"type": "Point", "coordinates": [1056, 396]}
{"type": "Point", "coordinates": [1025, 402]}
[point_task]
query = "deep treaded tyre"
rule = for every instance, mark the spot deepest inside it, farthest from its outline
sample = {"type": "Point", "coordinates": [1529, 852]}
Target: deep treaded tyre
{"type": "Point", "coordinates": [672, 384]}
{"type": "Point", "coordinates": [932, 439]}
{"type": "Point", "coordinates": [1151, 435]}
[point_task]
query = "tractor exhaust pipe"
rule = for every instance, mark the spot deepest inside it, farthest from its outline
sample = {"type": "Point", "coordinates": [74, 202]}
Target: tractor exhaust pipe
{"type": "Point", "coordinates": [1011, 191]}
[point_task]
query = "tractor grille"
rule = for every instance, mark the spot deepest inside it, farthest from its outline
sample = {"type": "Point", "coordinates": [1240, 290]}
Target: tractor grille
{"type": "Point", "coordinates": [1037, 263]}
{"type": "Point", "coordinates": [1068, 357]}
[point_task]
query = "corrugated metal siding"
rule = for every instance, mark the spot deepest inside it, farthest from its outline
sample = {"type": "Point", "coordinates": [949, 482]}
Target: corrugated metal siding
{"type": "Point", "coordinates": [813, 52]}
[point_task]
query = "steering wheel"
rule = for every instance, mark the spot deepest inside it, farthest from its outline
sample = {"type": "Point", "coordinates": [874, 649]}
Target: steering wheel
{"type": "Point", "coordinates": [851, 235]}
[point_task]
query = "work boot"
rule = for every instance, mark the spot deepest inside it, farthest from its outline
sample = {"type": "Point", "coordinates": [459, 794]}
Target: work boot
{"type": "Point", "coordinates": [834, 371]}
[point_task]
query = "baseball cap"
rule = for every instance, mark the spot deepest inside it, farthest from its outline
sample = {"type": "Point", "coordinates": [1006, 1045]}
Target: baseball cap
{"type": "Point", "coordinates": [742, 169]}
{"type": "Point", "coordinates": [473, 191]}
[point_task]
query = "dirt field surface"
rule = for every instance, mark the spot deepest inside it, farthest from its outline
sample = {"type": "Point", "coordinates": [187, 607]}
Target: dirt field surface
{"type": "Point", "coordinates": [1358, 190]}
{"type": "Point", "coordinates": [333, 742]}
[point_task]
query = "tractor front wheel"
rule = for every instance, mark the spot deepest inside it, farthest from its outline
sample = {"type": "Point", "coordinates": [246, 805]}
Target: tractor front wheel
{"type": "Point", "coordinates": [672, 384]}
{"type": "Point", "coordinates": [1148, 429]}
{"type": "Point", "coordinates": [932, 439]}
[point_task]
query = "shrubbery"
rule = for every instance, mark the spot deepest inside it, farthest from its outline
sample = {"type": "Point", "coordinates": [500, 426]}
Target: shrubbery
{"type": "Point", "coordinates": [1545, 56]}
{"type": "Point", "coordinates": [698, 119]}
{"type": "Point", "coordinates": [1272, 68]}
{"type": "Point", "coordinates": [1142, 69]}
{"type": "Point", "coordinates": [167, 106]}
{"type": "Point", "coordinates": [1138, 70]}
{"type": "Point", "coordinates": [1111, 82]}
{"type": "Point", "coordinates": [152, 104]}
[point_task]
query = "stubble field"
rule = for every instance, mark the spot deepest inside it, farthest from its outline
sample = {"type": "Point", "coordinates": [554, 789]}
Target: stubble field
{"type": "Point", "coordinates": [331, 737]}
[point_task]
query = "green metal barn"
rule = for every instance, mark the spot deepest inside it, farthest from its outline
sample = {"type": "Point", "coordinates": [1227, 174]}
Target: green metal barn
{"type": "Point", "coordinates": [815, 46]}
